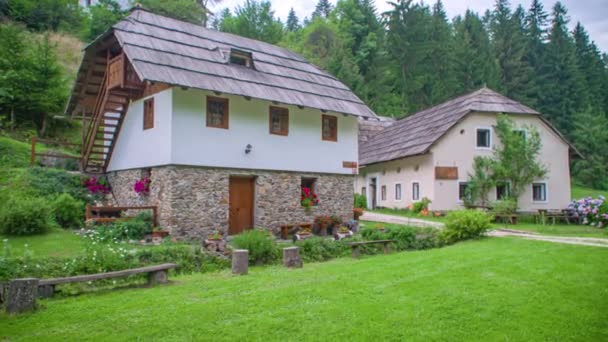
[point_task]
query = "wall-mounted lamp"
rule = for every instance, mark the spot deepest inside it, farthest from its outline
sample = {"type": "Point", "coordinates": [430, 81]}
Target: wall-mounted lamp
{"type": "Point", "coordinates": [248, 148]}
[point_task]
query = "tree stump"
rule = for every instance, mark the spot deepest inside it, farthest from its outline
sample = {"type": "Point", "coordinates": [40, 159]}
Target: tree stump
{"type": "Point", "coordinates": [240, 261]}
{"type": "Point", "coordinates": [22, 295]}
{"type": "Point", "coordinates": [291, 257]}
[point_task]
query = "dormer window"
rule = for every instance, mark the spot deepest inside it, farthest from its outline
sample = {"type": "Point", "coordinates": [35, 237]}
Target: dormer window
{"type": "Point", "coordinates": [241, 58]}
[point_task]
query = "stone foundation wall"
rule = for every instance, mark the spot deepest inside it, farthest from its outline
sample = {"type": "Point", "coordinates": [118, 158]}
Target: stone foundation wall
{"type": "Point", "coordinates": [194, 201]}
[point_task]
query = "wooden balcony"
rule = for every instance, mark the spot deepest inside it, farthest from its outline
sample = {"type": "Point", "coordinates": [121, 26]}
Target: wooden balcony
{"type": "Point", "coordinates": [121, 74]}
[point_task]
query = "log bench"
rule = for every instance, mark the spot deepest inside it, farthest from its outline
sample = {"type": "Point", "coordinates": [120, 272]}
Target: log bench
{"type": "Point", "coordinates": [157, 274]}
{"type": "Point", "coordinates": [356, 246]}
{"type": "Point", "coordinates": [286, 227]}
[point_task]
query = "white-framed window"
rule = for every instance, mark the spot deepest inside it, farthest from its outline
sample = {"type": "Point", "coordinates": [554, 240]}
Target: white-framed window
{"type": "Point", "coordinates": [462, 190]}
{"type": "Point", "coordinates": [539, 192]}
{"type": "Point", "coordinates": [363, 191]}
{"type": "Point", "coordinates": [483, 138]}
{"type": "Point", "coordinates": [383, 193]}
{"type": "Point", "coordinates": [503, 190]}
{"type": "Point", "coordinates": [415, 191]}
{"type": "Point", "coordinates": [521, 132]}
{"type": "Point", "coordinates": [398, 192]}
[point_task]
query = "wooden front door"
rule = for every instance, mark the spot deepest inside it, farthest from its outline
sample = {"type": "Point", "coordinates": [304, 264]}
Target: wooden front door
{"type": "Point", "coordinates": [241, 204]}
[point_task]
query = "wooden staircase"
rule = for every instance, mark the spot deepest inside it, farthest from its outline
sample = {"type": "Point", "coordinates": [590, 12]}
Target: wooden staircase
{"type": "Point", "coordinates": [110, 109]}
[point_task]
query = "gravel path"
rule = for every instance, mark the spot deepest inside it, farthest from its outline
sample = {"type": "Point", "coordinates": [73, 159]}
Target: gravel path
{"type": "Point", "coordinates": [408, 221]}
{"type": "Point", "coordinates": [415, 222]}
{"type": "Point", "coordinates": [584, 241]}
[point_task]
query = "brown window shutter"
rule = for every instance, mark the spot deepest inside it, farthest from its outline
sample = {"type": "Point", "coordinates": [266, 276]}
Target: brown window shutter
{"type": "Point", "coordinates": [149, 113]}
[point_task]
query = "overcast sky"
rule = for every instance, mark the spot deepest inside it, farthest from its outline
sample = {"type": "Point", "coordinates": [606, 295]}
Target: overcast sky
{"type": "Point", "coordinates": [592, 13]}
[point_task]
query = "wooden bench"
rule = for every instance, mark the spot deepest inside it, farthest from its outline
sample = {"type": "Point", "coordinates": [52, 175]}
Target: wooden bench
{"type": "Point", "coordinates": [111, 214]}
{"type": "Point", "coordinates": [286, 227]}
{"type": "Point", "coordinates": [509, 219]}
{"type": "Point", "coordinates": [157, 274]}
{"type": "Point", "coordinates": [356, 251]}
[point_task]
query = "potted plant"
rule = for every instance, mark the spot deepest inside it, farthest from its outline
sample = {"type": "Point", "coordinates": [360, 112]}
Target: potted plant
{"type": "Point", "coordinates": [215, 237]}
{"type": "Point", "coordinates": [322, 223]}
{"type": "Point", "coordinates": [159, 232]}
{"type": "Point", "coordinates": [308, 199]}
{"type": "Point", "coordinates": [343, 230]}
{"type": "Point", "coordinates": [142, 186]}
{"type": "Point", "coordinates": [357, 212]}
{"type": "Point", "coordinates": [305, 232]}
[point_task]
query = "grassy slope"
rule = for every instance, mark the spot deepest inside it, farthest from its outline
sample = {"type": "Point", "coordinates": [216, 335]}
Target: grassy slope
{"type": "Point", "coordinates": [496, 289]}
{"type": "Point", "coordinates": [582, 192]}
{"type": "Point", "coordinates": [58, 243]}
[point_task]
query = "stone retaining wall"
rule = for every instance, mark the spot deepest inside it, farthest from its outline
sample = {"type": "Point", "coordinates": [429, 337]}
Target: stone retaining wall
{"type": "Point", "coordinates": [194, 201]}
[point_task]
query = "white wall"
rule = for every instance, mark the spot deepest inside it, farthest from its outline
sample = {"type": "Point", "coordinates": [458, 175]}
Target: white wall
{"type": "Point", "coordinates": [458, 149]}
{"type": "Point", "coordinates": [302, 150]}
{"type": "Point", "coordinates": [402, 171]}
{"type": "Point", "coordinates": [136, 147]}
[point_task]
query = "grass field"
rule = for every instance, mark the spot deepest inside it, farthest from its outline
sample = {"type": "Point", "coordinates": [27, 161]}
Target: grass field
{"type": "Point", "coordinates": [57, 243]}
{"type": "Point", "coordinates": [493, 289]}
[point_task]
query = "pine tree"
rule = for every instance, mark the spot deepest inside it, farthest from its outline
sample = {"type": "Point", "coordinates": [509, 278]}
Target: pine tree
{"type": "Point", "coordinates": [323, 9]}
{"type": "Point", "coordinates": [293, 23]}
{"type": "Point", "coordinates": [509, 43]}
{"type": "Point", "coordinates": [591, 67]}
{"type": "Point", "coordinates": [561, 87]}
{"type": "Point", "coordinates": [254, 20]}
{"type": "Point", "coordinates": [442, 79]}
{"type": "Point", "coordinates": [474, 63]}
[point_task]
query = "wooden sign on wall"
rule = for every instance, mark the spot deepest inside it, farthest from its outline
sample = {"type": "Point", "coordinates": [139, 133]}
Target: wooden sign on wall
{"type": "Point", "coordinates": [349, 165]}
{"type": "Point", "coordinates": [446, 172]}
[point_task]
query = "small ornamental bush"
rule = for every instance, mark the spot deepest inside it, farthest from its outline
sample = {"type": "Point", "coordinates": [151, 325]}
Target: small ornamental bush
{"type": "Point", "coordinates": [68, 211]}
{"type": "Point", "coordinates": [25, 216]}
{"type": "Point", "coordinates": [97, 186]}
{"type": "Point", "coordinates": [504, 207]}
{"type": "Point", "coordinates": [465, 224]}
{"type": "Point", "coordinates": [321, 249]}
{"type": "Point", "coordinates": [122, 230]}
{"type": "Point", "coordinates": [421, 206]}
{"type": "Point", "coordinates": [260, 244]}
{"type": "Point", "coordinates": [593, 212]}
{"type": "Point", "coordinates": [360, 201]}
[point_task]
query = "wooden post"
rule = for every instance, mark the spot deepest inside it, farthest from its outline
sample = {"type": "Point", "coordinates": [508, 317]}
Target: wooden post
{"type": "Point", "coordinates": [22, 294]}
{"type": "Point", "coordinates": [387, 248]}
{"type": "Point", "coordinates": [158, 277]}
{"type": "Point", "coordinates": [291, 257]}
{"type": "Point", "coordinates": [240, 261]}
{"type": "Point", "coordinates": [33, 153]}
{"type": "Point", "coordinates": [356, 252]}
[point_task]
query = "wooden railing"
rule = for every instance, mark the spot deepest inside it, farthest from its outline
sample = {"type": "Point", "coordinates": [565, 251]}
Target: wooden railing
{"type": "Point", "coordinates": [93, 129]}
{"type": "Point", "coordinates": [96, 213]}
{"type": "Point", "coordinates": [34, 154]}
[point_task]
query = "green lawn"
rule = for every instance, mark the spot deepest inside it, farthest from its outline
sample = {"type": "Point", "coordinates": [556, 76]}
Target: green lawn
{"type": "Point", "coordinates": [494, 289]}
{"type": "Point", "coordinates": [57, 243]}
{"type": "Point", "coordinates": [579, 192]}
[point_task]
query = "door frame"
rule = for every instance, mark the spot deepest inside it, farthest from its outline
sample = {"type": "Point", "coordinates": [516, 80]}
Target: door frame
{"type": "Point", "coordinates": [251, 180]}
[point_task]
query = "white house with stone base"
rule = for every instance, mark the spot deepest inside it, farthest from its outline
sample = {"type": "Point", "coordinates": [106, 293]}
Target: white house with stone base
{"type": "Point", "coordinates": [228, 129]}
{"type": "Point", "coordinates": [430, 154]}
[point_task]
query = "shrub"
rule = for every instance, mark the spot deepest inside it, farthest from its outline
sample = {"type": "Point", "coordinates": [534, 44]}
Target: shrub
{"type": "Point", "coordinates": [593, 212]}
{"type": "Point", "coordinates": [25, 216]}
{"type": "Point", "coordinates": [42, 182]}
{"type": "Point", "coordinates": [504, 207]}
{"type": "Point", "coordinates": [121, 230]}
{"type": "Point", "coordinates": [360, 201]}
{"type": "Point", "coordinates": [422, 205]}
{"type": "Point", "coordinates": [260, 244]}
{"type": "Point", "coordinates": [68, 211]}
{"type": "Point", "coordinates": [321, 249]}
{"type": "Point", "coordinates": [465, 224]}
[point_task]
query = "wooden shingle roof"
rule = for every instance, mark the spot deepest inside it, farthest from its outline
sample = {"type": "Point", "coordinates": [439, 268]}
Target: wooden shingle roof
{"type": "Point", "coordinates": [415, 134]}
{"type": "Point", "coordinates": [178, 53]}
